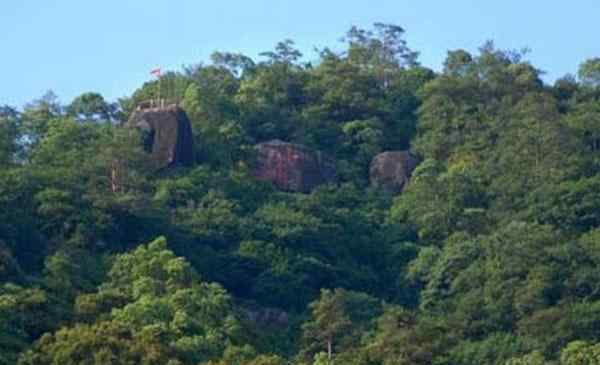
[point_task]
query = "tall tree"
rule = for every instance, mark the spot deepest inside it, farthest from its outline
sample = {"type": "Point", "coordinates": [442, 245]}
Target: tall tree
{"type": "Point", "coordinates": [589, 72]}
{"type": "Point", "coordinates": [10, 125]}
{"type": "Point", "coordinates": [91, 107]}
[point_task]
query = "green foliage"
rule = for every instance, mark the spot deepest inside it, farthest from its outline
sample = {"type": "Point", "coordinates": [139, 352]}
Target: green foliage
{"type": "Point", "coordinates": [37, 115]}
{"type": "Point", "coordinates": [534, 358]}
{"type": "Point", "coordinates": [337, 319]}
{"type": "Point", "coordinates": [101, 343]}
{"type": "Point", "coordinates": [495, 349]}
{"type": "Point", "coordinates": [579, 352]}
{"type": "Point", "coordinates": [246, 355]}
{"type": "Point", "coordinates": [489, 256]}
{"type": "Point", "coordinates": [9, 134]}
{"type": "Point", "coordinates": [91, 107]}
{"type": "Point", "coordinates": [589, 72]}
{"type": "Point", "coordinates": [442, 200]}
{"type": "Point", "coordinates": [23, 316]}
{"type": "Point", "coordinates": [402, 338]}
{"type": "Point", "coordinates": [152, 307]}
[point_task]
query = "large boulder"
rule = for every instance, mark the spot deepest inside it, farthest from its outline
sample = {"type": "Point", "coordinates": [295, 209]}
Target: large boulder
{"type": "Point", "coordinates": [167, 135]}
{"type": "Point", "coordinates": [293, 167]}
{"type": "Point", "coordinates": [392, 170]}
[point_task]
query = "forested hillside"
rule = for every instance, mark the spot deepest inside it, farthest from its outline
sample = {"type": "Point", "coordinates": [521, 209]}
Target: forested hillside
{"type": "Point", "coordinates": [489, 255]}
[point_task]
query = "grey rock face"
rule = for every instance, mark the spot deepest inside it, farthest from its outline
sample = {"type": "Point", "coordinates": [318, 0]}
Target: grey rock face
{"type": "Point", "coordinates": [169, 135]}
{"type": "Point", "coordinates": [392, 170]}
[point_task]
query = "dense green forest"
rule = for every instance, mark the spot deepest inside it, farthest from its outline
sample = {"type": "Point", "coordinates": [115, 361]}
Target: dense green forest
{"type": "Point", "coordinates": [491, 255]}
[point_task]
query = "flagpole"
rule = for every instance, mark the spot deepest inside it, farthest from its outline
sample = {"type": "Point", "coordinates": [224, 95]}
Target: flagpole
{"type": "Point", "coordinates": [157, 72]}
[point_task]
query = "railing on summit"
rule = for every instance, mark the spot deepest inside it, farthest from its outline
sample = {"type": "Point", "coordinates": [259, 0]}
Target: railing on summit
{"type": "Point", "coordinates": [157, 104]}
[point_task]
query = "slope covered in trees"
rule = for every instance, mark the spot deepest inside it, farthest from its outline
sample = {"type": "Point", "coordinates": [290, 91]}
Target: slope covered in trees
{"type": "Point", "coordinates": [490, 255]}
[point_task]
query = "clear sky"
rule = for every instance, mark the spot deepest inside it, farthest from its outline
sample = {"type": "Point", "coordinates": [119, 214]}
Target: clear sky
{"type": "Point", "coordinates": [110, 46]}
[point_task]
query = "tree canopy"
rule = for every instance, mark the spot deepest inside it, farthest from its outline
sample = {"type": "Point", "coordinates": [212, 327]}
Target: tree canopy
{"type": "Point", "coordinates": [489, 255]}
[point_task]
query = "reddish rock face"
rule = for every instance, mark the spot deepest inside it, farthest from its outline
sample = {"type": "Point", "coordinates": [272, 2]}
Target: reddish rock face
{"type": "Point", "coordinates": [293, 167]}
{"type": "Point", "coordinates": [170, 141]}
{"type": "Point", "coordinates": [392, 170]}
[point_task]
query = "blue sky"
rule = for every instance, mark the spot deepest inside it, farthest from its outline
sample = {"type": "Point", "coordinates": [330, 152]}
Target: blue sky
{"type": "Point", "coordinates": [109, 46]}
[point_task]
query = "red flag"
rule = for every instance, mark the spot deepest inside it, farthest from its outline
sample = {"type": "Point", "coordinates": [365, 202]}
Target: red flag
{"type": "Point", "coordinates": [155, 72]}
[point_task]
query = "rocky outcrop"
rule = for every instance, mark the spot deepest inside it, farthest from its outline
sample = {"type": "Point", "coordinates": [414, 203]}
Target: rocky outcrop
{"type": "Point", "coordinates": [267, 317]}
{"type": "Point", "coordinates": [167, 135]}
{"type": "Point", "coordinates": [392, 170]}
{"type": "Point", "coordinates": [293, 167]}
